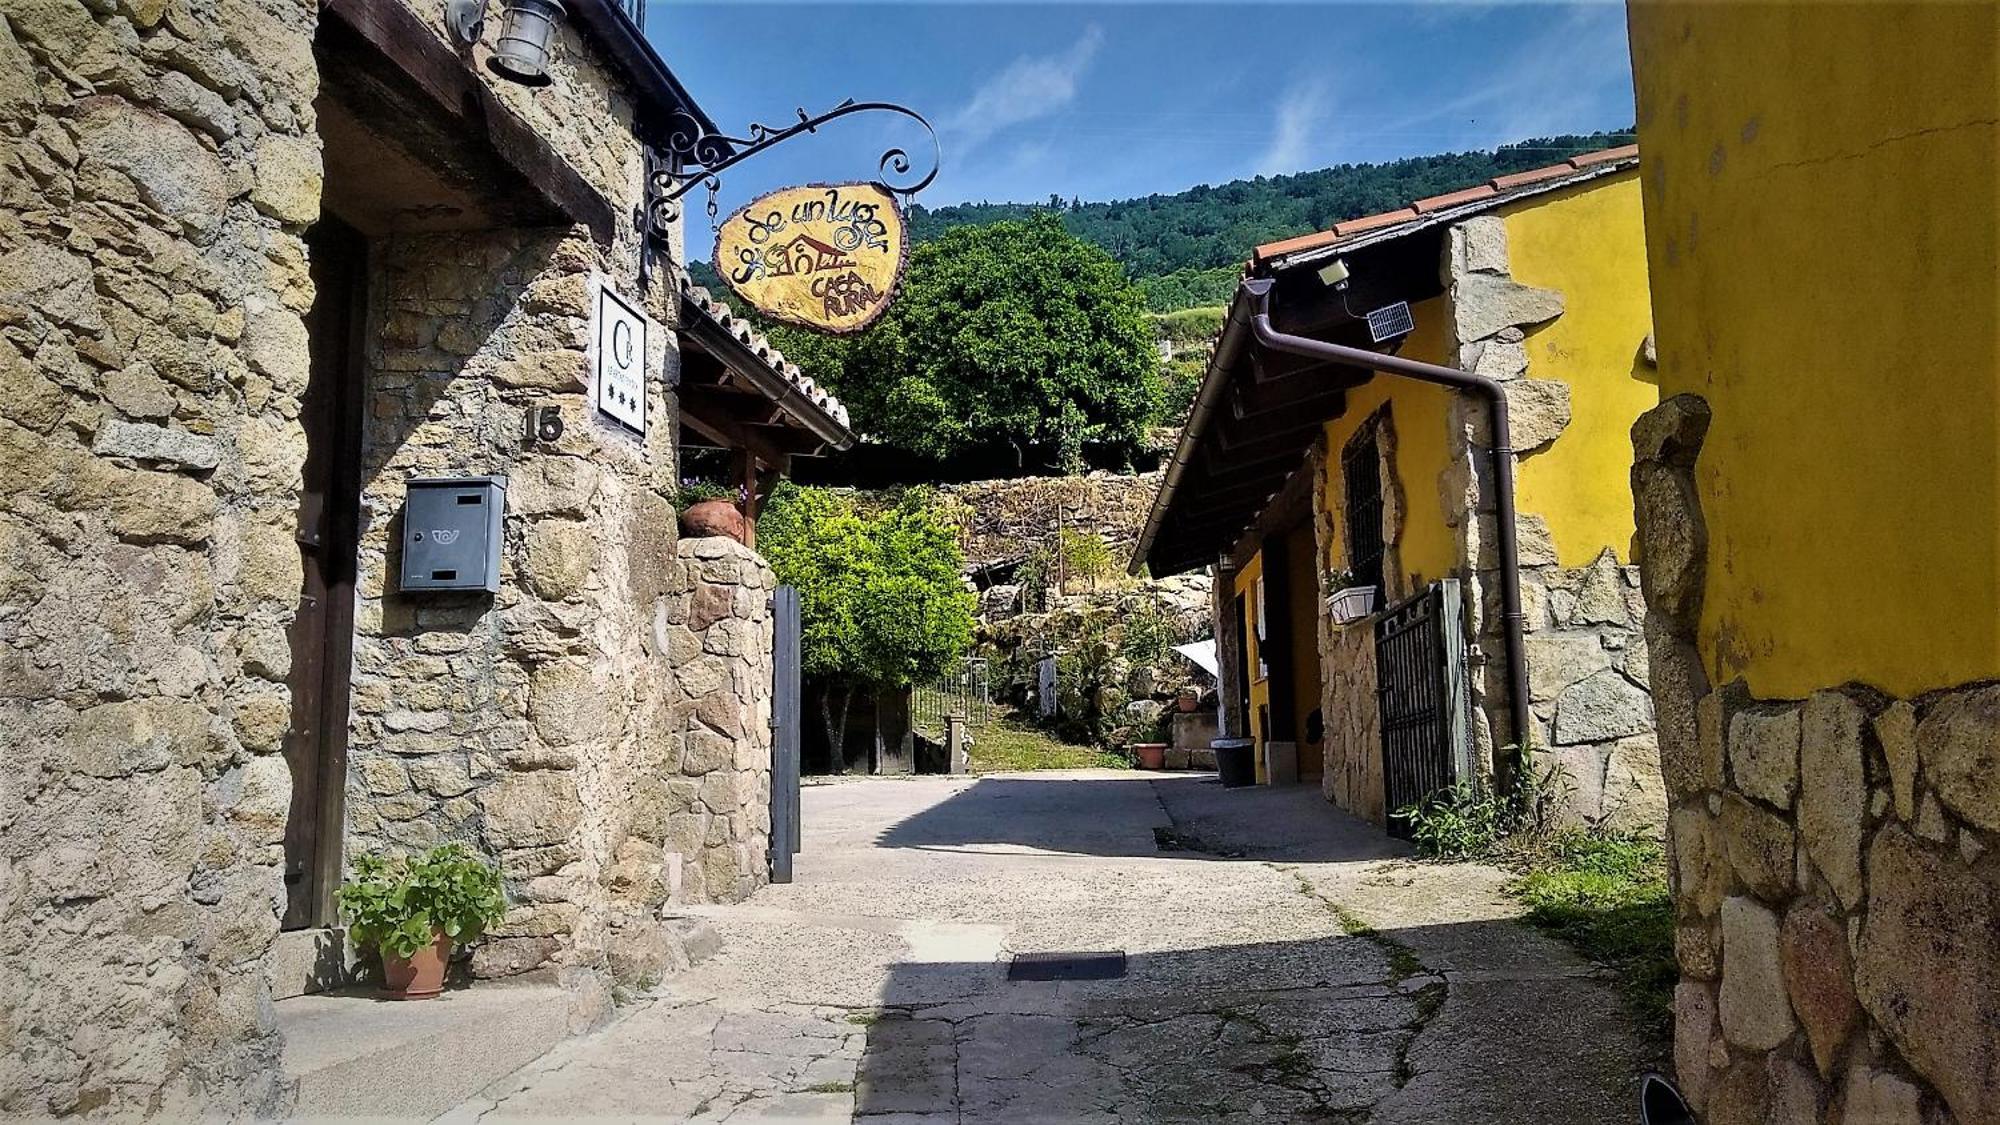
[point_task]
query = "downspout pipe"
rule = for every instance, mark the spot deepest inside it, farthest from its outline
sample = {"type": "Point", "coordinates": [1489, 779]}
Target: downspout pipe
{"type": "Point", "coordinates": [1258, 290]}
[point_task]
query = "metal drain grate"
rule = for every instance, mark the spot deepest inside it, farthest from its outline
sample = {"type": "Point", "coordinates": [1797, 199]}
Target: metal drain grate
{"type": "Point", "coordinates": [1068, 966]}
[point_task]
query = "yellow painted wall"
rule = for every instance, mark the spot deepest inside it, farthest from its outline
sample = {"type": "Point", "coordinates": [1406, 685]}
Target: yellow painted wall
{"type": "Point", "coordinates": [1420, 414]}
{"type": "Point", "coordinates": [1820, 194]}
{"type": "Point", "coordinates": [1588, 242]}
{"type": "Point", "coordinates": [1302, 576]}
{"type": "Point", "coordinates": [1260, 687]}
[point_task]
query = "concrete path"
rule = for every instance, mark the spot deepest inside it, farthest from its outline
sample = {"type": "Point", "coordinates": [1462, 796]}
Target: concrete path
{"type": "Point", "coordinates": [1283, 963]}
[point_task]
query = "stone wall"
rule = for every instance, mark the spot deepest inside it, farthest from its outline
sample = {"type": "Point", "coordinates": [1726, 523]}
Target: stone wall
{"type": "Point", "coordinates": [1837, 908]}
{"type": "Point", "coordinates": [1585, 645]}
{"type": "Point", "coordinates": [1352, 777]}
{"type": "Point", "coordinates": [1005, 521]}
{"type": "Point", "coordinates": [719, 640]}
{"type": "Point", "coordinates": [157, 166]}
{"type": "Point", "coordinates": [522, 722]}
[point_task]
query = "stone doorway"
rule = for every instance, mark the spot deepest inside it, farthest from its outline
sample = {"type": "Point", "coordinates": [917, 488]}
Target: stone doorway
{"type": "Point", "coordinates": [328, 531]}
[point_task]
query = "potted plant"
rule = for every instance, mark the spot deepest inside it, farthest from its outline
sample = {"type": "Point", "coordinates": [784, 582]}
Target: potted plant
{"type": "Point", "coordinates": [1150, 755]}
{"type": "Point", "coordinates": [1349, 602]}
{"type": "Point", "coordinates": [708, 509]}
{"type": "Point", "coordinates": [412, 910]}
{"type": "Point", "coordinates": [1188, 701]}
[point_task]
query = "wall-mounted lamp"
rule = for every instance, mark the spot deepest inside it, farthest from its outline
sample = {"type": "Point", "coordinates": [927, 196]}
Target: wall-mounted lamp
{"type": "Point", "coordinates": [527, 28]}
{"type": "Point", "coordinates": [1334, 273]}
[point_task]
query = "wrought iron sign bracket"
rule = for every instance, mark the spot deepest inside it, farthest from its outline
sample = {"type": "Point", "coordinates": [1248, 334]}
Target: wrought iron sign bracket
{"type": "Point", "coordinates": [693, 156]}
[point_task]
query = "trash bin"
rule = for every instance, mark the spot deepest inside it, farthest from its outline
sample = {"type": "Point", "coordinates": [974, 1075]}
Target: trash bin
{"type": "Point", "coordinates": [1235, 762]}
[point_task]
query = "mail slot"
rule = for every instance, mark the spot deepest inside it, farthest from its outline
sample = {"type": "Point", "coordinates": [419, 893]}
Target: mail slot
{"type": "Point", "coordinates": [451, 533]}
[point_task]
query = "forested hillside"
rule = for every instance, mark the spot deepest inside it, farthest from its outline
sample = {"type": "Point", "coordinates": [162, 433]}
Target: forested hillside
{"type": "Point", "coordinates": [1186, 249]}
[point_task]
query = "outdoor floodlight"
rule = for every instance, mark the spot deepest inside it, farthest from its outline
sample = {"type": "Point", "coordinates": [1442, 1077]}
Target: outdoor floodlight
{"type": "Point", "coordinates": [527, 27]}
{"type": "Point", "coordinates": [1334, 272]}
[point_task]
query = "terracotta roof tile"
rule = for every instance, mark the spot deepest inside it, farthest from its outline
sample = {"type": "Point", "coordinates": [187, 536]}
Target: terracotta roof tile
{"type": "Point", "coordinates": [1374, 222]}
{"type": "Point", "coordinates": [1604, 156]}
{"type": "Point", "coordinates": [1531, 176]}
{"type": "Point", "coordinates": [746, 334]}
{"type": "Point", "coordinates": [1292, 245]}
{"type": "Point", "coordinates": [1454, 198]}
{"type": "Point", "coordinates": [1497, 187]}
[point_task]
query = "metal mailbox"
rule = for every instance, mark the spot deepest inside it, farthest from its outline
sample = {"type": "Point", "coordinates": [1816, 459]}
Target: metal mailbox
{"type": "Point", "coordinates": [451, 533]}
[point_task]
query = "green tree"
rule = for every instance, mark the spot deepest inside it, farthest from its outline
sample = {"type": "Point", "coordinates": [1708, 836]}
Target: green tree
{"type": "Point", "coordinates": [1018, 333]}
{"type": "Point", "coordinates": [881, 599]}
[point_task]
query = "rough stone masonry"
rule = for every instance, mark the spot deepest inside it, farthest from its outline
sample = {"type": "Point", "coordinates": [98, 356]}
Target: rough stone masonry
{"type": "Point", "coordinates": [595, 726]}
{"type": "Point", "coordinates": [1837, 908]}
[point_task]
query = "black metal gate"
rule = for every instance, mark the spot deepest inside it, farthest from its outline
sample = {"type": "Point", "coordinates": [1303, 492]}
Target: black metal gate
{"type": "Point", "coordinates": [1420, 684]}
{"type": "Point", "coordinates": [785, 712]}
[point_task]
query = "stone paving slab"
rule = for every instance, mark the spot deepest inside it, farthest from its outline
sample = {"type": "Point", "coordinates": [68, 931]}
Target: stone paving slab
{"type": "Point", "coordinates": [873, 987]}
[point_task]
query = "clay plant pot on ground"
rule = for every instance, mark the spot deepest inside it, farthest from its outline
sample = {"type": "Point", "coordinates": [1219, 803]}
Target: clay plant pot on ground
{"type": "Point", "coordinates": [706, 518]}
{"type": "Point", "coordinates": [419, 976]}
{"type": "Point", "coordinates": [1187, 701]}
{"type": "Point", "coordinates": [411, 909]}
{"type": "Point", "coordinates": [1150, 755]}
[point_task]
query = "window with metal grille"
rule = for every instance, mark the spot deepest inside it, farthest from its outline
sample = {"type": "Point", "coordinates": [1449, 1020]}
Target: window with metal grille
{"type": "Point", "coordinates": [1361, 477]}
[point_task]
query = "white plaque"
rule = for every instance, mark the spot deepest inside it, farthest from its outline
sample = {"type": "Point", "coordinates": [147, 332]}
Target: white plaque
{"type": "Point", "coordinates": [621, 360]}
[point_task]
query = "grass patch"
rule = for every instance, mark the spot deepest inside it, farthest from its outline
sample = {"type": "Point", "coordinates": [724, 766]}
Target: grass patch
{"type": "Point", "coordinates": [1606, 895]}
{"type": "Point", "coordinates": [1009, 744]}
{"type": "Point", "coordinates": [864, 1019]}
{"type": "Point", "coordinates": [831, 1088]}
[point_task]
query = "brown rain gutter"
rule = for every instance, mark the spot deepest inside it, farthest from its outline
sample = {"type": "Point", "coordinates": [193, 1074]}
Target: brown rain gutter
{"type": "Point", "coordinates": [1495, 397]}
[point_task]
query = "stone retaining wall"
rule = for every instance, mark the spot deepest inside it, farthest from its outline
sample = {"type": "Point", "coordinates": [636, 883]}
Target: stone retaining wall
{"type": "Point", "coordinates": [1837, 906]}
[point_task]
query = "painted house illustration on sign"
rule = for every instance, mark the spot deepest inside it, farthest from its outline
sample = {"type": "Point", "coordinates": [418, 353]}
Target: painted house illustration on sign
{"type": "Point", "coordinates": [1299, 479]}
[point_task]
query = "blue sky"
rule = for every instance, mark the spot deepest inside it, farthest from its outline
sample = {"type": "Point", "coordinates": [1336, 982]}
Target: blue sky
{"type": "Point", "coordinates": [1117, 100]}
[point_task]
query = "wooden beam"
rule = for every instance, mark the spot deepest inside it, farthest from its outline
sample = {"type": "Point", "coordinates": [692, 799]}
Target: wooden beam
{"type": "Point", "coordinates": [398, 36]}
{"type": "Point", "coordinates": [726, 433]}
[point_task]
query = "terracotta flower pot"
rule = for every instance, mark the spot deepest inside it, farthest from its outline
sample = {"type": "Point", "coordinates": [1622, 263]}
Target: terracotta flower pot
{"type": "Point", "coordinates": [706, 518]}
{"type": "Point", "coordinates": [419, 976]}
{"type": "Point", "coordinates": [1187, 701]}
{"type": "Point", "coordinates": [1151, 755]}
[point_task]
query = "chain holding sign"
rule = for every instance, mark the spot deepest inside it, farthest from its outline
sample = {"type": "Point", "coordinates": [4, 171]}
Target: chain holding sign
{"type": "Point", "coordinates": [827, 257]}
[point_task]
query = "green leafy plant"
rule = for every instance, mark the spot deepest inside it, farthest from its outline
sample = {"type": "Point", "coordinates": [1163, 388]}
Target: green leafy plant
{"type": "Point", "coordinates": [1085, 557]}
{"type": "Point", "coordinates": [1148, 634]}
{"type": "Point", "coordinates": [1463, 821]}
{"type": "Point", "coordinates": [882, 602]}
{"type": "Point", "coordinates": [1470, 820]}
{"type": "Point", "coordinates": [397, 904]}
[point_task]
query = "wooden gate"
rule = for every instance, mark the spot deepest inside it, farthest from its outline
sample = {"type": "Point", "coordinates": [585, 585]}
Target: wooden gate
{"type": "Point", "coordinates": [785, 717]}
{"type": "Point", "coordinates": [1421, 688]}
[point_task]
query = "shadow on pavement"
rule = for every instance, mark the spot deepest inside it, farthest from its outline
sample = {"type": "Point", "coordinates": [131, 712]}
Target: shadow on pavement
{"type": "Point", "coordinates": [1084, 816]}
{"type": "Point", "coordinates": [1335, 1029]}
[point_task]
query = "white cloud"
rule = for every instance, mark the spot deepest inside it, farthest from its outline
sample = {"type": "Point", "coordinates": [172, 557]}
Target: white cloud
{"type": "Point", "coordinates": [1032, 86]}
{"type": "Point", "coordinates": [1301, 116]}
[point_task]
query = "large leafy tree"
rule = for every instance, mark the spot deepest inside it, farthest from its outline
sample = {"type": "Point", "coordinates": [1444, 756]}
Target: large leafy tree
{"type": "Point", "coordinates": [1019, 334]}
{"type": "Point", "coordinates": [881, 599]}
{"type": "Point", "coordinates": [1012, 334]}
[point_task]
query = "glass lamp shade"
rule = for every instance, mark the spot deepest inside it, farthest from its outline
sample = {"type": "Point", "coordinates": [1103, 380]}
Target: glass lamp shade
{"type": "Point", "coordinates": [527, 28]}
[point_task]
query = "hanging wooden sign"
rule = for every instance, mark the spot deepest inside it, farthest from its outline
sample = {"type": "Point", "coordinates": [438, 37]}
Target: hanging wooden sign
{"type": "Point", "coordinates": [827, 256]}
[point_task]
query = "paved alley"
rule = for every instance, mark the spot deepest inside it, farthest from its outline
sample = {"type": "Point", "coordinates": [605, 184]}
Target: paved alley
{"type": "Point", "coordinates": [1282, 963]}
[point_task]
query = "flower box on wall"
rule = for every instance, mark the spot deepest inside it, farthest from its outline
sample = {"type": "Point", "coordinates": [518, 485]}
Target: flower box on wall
{"type": "Point", "coordinates": [1352, 604]}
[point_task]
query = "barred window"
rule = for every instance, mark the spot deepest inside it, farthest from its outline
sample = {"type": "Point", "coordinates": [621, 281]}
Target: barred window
{"type": "Point", "coordinates": [1361, 476]}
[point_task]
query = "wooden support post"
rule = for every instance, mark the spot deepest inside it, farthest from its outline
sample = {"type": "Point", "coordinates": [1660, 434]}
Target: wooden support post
{"type": "Point", "coordinates": [746, 475]}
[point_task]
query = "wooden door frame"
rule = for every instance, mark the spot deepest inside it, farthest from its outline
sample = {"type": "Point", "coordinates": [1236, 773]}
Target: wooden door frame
{"type": "Point", "coordinates": [328, 535]}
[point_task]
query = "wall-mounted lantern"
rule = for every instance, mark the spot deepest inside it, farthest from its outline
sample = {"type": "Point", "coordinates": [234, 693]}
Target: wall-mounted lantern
{"type": "Point", "coordinates": [527, 28]}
